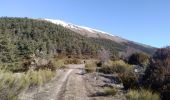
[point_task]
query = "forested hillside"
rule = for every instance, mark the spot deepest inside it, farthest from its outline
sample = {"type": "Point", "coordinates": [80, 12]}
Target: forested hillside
{"type": "Point", "coordinates": [21, 37]}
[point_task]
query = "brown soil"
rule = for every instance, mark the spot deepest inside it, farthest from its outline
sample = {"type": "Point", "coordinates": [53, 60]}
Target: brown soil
{"type": "Point", "coordinates": [71, 84]}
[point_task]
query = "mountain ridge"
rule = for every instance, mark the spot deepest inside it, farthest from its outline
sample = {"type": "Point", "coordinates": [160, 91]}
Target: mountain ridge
{"type": "Point", "coordinates": [86, 31]}
{"type": "Point", "coordinates": [105, 35]}
{"type": "Point", "coordinates": [67, 24]}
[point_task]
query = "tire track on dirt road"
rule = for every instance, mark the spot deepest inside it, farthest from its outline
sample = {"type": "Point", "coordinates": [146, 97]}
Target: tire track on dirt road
{"type": "Point", "coordinates": [67, 85]}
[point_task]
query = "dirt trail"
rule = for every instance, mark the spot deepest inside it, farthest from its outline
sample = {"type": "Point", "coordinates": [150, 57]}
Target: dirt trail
{"type": "Point", "coordinates": [70, 84]}
{"type": "Point", "coordinates": [75, 87]}
{"type": "Point", "coordinates": [67, 85]}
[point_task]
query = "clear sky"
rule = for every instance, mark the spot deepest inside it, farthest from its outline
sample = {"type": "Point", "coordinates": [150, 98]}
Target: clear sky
{"type": "Point", "coordinates": [144, 21]}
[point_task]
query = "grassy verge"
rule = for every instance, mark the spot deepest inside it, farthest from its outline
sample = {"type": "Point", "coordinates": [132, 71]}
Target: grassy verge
{"type": "Point", "coordinates": [11, 85]}
{"type": "Point", "coordinates": [142, 94]}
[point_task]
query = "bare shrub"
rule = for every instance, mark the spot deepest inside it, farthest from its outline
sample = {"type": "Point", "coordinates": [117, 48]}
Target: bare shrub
{"type": "Point", "coordinates": [103, 55]}
{"type": "Point", "coordinates": [157, 75]}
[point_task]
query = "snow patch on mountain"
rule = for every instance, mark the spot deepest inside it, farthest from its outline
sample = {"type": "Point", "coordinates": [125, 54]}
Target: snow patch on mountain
{"type": "Point", "coordinates": [58, 22]}
{"type": "Point", "coordinates": [69, 25]}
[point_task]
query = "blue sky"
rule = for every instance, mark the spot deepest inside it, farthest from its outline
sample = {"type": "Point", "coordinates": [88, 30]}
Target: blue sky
{"type": "Point", "coordinates": [144, 21]}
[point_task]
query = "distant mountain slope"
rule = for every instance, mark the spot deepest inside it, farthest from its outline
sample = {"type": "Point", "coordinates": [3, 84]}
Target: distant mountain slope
{"type": "Point", "coordinates": [94, 33]}
{"type": "Point", "coordinates": [21, 37]}
{"type": "Point", "coordinates": [86, 31]}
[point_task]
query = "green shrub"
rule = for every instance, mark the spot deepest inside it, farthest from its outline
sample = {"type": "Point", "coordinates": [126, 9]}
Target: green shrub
{"type": "Point", "coordinates": [120, 66]}
{"type": "Point", "coordinates": [106, 70]}
{"type": "Point", "coordinates": [142, 95]}
{"type": "Point", "coordinates": [125, 72]}
{"type": "Point", "coordinates": [110, 91]}
{"type": "Point", "coordinates": [90, 67]}
{"type": "Point", "coordinates": [139, 59]}
{"type": "Point", "coordinates": [129, 79]}
{"type": "Point", "coordinates": [114, 67]}
{"type": "Point", "coordinates": [14, 66]}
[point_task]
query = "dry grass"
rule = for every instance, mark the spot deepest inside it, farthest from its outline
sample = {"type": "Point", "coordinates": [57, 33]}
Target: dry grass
{"type": "Point", "coordinates": [90, 67]}
{"type": "Point", "coordinates": [58, 63]}
{"type": "Point", "coordinates": [37, 78]}
{"type": "Point", "coordinates": [115, 67]}
{"type": "Point", "coordinates": [110, 91]}
{"type": "Point", "coordinates": [142, 94]}
{"type": "Point", "coordinates": [11, 85]}
{"type": "Point", "coordinates": [72, 61]}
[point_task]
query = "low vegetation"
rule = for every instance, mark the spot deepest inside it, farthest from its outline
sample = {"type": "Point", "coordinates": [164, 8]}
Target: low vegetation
{"type": "Point", "coordinates": [37, 78]}
{"type": "Point", "coordinates": [129, 80]}
{"type": "Point", "coordinates": [157, 75]}
{"type": "Point", "coordinates": [125, 73]}
{"type": "Point", "coordinates": [58, 63]}
{"type": "Point", "coordinates": [72, 61]}
{"type": "Point", "coordinates": [20, 38]}
{"type": "Point", "coordinates": [141, 59]}
{"type": "Point", "coordinates": [115, 67]}
{"type": "Point", "coordinates": [142, 94]}
{"type": "Point", "coordinates": [110, 91]}
{"type": "Point", "coordinates": [12, 84]}
{"type": "Point", "coordinates": [90, 67]}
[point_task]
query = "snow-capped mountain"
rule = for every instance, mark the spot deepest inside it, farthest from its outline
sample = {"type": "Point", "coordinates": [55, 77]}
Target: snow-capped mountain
{"type": "Point", "coordinates": [69, 25]}
{"type": "Point", "coordinates": [86, 31]}
{"type": "Point", "coordinates": [95, 33]}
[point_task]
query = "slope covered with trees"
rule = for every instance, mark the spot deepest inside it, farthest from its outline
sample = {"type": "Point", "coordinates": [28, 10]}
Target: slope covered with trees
{"type": "Point", "coordinates": [22, 37]}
